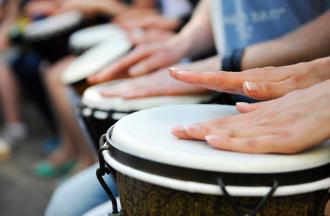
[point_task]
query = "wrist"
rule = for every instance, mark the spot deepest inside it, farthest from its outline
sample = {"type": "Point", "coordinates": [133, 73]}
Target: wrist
{"type": "Point", "coordinates": [269, 53]}
{"type": "Point", "coordinates": [321, 68]}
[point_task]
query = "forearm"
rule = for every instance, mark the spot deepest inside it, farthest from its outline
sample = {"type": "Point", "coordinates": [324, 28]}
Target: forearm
{"type": "Point", "coordinates": [196, 37]}
{"type": "Point", "coordinates": [306, 43]}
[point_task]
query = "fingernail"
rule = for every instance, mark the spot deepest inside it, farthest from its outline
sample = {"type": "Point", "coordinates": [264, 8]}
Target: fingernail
{"type": "Point", "coordinates": [177, 129]}
{"type": "Point", "coordinates": [173, 69]}
{"type": "Point", "coordinates": [192, 128]}
{"type": "Point", "coordinates": [241, 104]}
{"type": "Point", "coordinates": [250, 86]}
{"type": "Point", "coordinates": [212, 138]}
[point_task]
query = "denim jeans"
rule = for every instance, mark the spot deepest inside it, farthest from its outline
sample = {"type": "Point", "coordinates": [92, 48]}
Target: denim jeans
{"type": "Point", "coordinates": [79, 194]}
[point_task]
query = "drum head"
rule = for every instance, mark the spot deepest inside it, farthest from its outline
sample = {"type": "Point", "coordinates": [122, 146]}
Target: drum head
{"type": "Point", "coordinates": [147, 134]}
{"type": "Point", "coordinates": [143, 147]}
{"type": "Point", "coordinates": [93, 99]}
{"type": "Point", "coordinates": [95, 59]}
{"type": "Point", "coordinates": [89, 37]}
{"type": "Point", "coordinates": [53, 25]}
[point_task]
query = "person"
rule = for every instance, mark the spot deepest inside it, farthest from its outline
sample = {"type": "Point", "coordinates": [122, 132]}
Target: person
{"type": "Point", "coordinates": [196, 38]}
{"type": "Point", "coordinates": [57, 89]}
{"type": "Point", "coordinates": [300, 104]}
{"type": "Point", "coordinates": [94, 194]}
{"type": "Point", "coordinates": [65, 200]}
{"type": "Point", "coordinates": [73, 154]}
{"type": "Point", "coordinates": [14, 129]}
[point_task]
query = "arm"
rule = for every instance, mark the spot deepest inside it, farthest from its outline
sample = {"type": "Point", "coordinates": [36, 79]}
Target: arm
{"type": "Point", "coordinates": [198, 31]}
{"type": "Point", "coordinates": [260, 83]}
{"type": "Point", "coordinates": [306, 43]}
{"type": "Point", "coordinates": [194, 39]}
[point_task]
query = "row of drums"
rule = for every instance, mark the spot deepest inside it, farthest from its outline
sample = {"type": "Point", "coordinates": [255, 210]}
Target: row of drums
{"type": "Point", "coordinates": [158, 174]}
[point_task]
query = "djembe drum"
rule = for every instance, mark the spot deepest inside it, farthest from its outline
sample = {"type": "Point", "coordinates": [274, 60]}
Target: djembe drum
{"type": "Point", "coordinates": [160, 175]}
{"type": "Point", "coordinates": [49, 36]}
{"type": "Point", "coordinates": [87, 38]}
{"type": "Point", "coordinates": [100, 112]}
{"type": "Point", "coordinates": [93, 61]}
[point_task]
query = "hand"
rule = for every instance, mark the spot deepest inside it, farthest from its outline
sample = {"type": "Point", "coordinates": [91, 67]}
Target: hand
{"type": "Point", "coordinates": [144, 59]}
{"type": "Point", "coordinates": [139, 37]}
{"type": "Point", "coordinates": [155, 84]}
{"type": "Point", "coordinates": [261, 83]}
{"type": "Point", "coordinates": [45, 8]}
{"type": "Point", "coordinates": [92, 8]}
{"type": "Point", "coordinates": [290, 124]}
{"type": "Point", "coordinates": [160, 83]}
{"type": "Point", "coordinates": [151, 21]}
{"type": "Point", "coordinates": [132, 14]}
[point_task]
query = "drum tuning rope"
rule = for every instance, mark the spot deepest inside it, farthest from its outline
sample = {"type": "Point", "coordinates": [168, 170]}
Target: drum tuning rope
{"type": "Point", "coordinates": [235, 205]}
{"type": "Point", "coordinates": [101, 171]}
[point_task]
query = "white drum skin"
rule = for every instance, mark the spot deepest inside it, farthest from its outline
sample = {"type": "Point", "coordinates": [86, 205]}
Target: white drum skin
{"type": "Point", "coordinates": [101, 112]}
{"type": "Point", "coordinates": [141, 142]}
{"type": "Point", "coordinates": [87, 38]}
{"type": "Point", "coordinates": [49, 36]}
{"type": "Point", "coordinates": [52, 25]}
{"type": "Point", "coordinates": [95, 59]}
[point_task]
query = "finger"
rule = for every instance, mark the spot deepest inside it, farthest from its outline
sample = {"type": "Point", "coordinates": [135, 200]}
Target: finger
{"type": "Point", "coordinates": [180, 132]}
{"type": "Point", "coordinates": [149, 92]}
{"type": "Point", "coordinates": [197, 131]}
{"type": "Point", "coordinates": [252, 131]}
{"type": "Point", "coordinates": [246, 107]}
{"type": "Point", "coordinates": [120, 66]}
{"type": "Point", "coordinates": [219, 81]}
{"type": "Point", "coordinates": [137, 36]}
{"type": "Point", "coordinates": [266, 74]}
{"type": "Point", "coordinates": [260, 144]}
{"type": "Point", "coordinates": [138, 94]}
{"type": "Point", "coordinates": [150, 64]}
{"type": "Point", "coordinates": [237, 121]}
{"type": "Point", "coordinates": [200, 131]}
{"type": "Point", "coordinates": [112, 92]}
{"type": "Point", "coordinates": [140, 23]}
{"type": "Point", "coordinates": [265, 90]}
{"type": "Point", "coordinates": [122, 88]}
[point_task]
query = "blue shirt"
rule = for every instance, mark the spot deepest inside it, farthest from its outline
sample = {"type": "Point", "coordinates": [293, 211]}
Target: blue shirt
{"type": "Point", "coordinates": [240, 23]}
{"type": "Point", "coordinates": [246, 22]}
